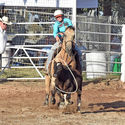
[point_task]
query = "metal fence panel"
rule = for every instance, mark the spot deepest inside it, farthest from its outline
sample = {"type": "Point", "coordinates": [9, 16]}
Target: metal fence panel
{"type": "Point", "coordinates": [30, 38]}
{"type": "Point", "coordinates": [31, 34]}
{"type": "Point", "coordinates": [99, 35]}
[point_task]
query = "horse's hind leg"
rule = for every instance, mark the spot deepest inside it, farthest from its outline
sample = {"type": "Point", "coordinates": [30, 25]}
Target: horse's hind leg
{"type": "Point", "coordinates": [47, 89]}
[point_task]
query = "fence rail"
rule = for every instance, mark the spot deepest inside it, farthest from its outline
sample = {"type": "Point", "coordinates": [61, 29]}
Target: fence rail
{"type": "Point", "coordinates": [27, 43]}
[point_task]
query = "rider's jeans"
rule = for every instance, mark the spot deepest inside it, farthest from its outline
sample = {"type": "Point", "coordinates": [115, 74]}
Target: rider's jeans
{"type": "Point", "coordinates": [50, 54]}
{"type": "Point", "coordinates": [54, 47]}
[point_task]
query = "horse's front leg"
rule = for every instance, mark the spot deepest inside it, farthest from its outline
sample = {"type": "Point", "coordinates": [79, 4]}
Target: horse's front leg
{"type": "Point", "coordinates": [79, 92]}
{"type": "Point", "coordinates": [66, 100]}
{"type": "Point", "coordinates": [53, 90]}
{"type": "Point", "coordinates": [47, 89]}
{"type": "Point", "coordinates": [79, 100]}
{"type": "Point", "coordinates": [61, 99]}
{"type": "Point", "coordinates": [63, 102]}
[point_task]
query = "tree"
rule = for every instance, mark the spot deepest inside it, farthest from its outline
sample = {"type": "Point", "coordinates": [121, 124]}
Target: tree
{"type": "Point", "coordinates": [107, 6]}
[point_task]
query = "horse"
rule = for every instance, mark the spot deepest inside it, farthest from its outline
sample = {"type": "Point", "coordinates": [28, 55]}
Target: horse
{"type": "Point", "coordinates": [67, 56]}
{"type": "Point", "coordinates": [68, 81]}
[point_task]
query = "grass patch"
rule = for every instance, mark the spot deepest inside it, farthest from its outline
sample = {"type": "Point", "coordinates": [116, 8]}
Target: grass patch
{"type": "Point", "coordinates": [20, 73]}
{"type": "Point", "coordinates": [32, 73]}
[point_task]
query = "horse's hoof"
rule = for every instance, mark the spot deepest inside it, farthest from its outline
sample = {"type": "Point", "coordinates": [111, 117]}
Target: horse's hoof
{"type": "Point", "coordinates": [70, 102]}
{"type": "Point", "coordinates": [53, 101]}
{"type": "Point", "coordinates": [46, 103]}
{"type": "Point", "coordinates": [61, 105]}
{"type": "Point", "coordinates": [78, 110]}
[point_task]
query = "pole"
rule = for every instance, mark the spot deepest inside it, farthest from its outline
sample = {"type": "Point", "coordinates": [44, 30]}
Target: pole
{"type": "Point", "coordinates": [123, 55]}
{"type": "Point", "coordinates": [74, 12]}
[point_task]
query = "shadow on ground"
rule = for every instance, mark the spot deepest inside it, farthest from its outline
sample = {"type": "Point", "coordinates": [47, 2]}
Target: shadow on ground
{"type": "Point", "coordinates": [116, 106]}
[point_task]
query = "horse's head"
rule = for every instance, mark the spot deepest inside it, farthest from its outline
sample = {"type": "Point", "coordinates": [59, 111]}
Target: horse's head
{"type": "Point", "coordinates": [57, 68]}
{"type": "Point", "coordinates": [68, 41]}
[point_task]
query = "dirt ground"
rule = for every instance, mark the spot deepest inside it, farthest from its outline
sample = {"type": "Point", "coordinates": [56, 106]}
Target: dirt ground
{"type": "Point", "coordinates": [21, 103]}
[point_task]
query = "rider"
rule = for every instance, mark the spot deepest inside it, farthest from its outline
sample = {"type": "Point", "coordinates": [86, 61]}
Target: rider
{"type": "Point", "coordinates": [58, 29]}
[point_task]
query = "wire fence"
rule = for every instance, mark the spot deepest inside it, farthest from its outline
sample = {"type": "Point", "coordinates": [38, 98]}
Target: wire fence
{"type": "Point", "coordinates": [101, 39]}
{"type": "Point", "coordinates": [30, 39]}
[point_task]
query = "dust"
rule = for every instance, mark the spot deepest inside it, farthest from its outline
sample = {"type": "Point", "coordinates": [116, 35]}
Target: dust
{"type": "Point", "coordinates": [21, 103]}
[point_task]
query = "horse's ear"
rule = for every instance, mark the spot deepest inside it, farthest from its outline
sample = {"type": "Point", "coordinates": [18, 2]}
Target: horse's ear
{"type": "Point", "coordinates": [71, 27]}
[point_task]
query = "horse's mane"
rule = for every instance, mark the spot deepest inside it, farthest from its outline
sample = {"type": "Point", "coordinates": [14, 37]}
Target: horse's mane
{"type": "Point", "coordinates": [70, 27]}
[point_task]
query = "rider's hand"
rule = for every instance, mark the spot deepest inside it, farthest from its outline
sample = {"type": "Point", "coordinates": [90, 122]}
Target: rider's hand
{"type": "Point", "coordinates": [57, 39]}
{"type": "Point", "coordinates": [61, 33]}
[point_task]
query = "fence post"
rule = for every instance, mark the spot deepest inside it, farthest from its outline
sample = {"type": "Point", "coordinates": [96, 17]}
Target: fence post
{"type": "Point", "coordinates": [123, 55]}
{"type": "Point", "coordinates": [74, 13]}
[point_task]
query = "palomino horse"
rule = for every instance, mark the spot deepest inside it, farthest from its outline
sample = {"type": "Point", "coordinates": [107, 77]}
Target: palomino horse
{"type": "Point", "coordinates": [66, 57]}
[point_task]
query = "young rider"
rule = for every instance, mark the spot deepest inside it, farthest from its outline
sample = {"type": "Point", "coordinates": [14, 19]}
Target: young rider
{"type": "Point", "coordinates": [59, 28]}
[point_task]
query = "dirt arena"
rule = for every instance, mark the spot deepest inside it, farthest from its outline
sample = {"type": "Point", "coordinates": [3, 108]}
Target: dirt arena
{"type": "Point", "coordinates": [21, 103]}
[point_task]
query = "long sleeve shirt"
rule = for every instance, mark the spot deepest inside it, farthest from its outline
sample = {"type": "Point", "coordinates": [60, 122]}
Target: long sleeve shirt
{"type": "Point", "coordinates": [61, 26]}
{"type": "Point", "coordinates": [3, 40]}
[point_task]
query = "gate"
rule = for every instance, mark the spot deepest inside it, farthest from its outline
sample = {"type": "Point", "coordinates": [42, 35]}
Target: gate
{"type": "Point", "coordinates": [29, 41]}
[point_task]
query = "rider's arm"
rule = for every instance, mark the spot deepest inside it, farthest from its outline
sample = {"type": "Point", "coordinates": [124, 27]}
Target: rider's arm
{"type": "Point", "coordinates": [68, 21]}
{"type": "Point", "coordinates": [55, 30]}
